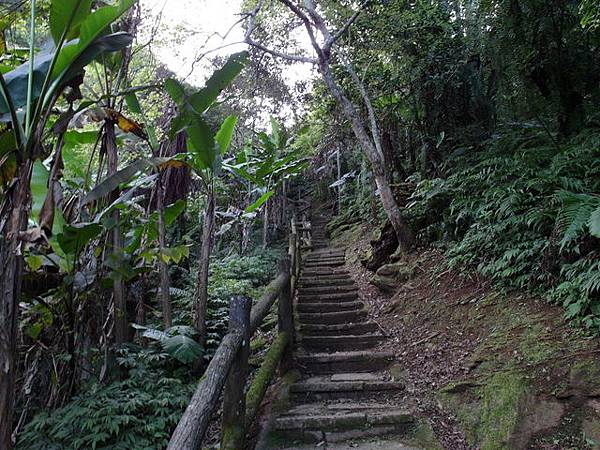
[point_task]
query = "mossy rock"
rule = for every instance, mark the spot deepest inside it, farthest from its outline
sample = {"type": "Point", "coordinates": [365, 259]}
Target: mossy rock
{"type": "Point", "coordinates": [399, 271]}
{"type": "Point", "coordinates": [501, 414]}
{"type": "Point", "coordinates": [386, 284]}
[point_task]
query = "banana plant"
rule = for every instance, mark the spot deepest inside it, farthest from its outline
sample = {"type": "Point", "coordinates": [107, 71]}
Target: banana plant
{"type": "Point", "coordinates": [28, 95]}
{"type": "Point", "coordinates": [205, 156]}
{"type": "Point", "coordinates": [265, 168]}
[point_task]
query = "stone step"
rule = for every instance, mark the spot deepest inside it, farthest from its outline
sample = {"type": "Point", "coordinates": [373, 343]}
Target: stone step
{"type": "Point", "coordinates": [328, 298]}
{"type": "Point", "coordinates": [339, 330]}
{"type": "Point", "coordinates": [311, 259]}
{"type": "Point", "coordinates": [324, 272]}
{"type": "Point", "coordinates": [316, 307]}
{"type": "Point", "coordinates": [341, 342]}
{"type": "Point", "coordinates": [332, 318]}
{"type": "Point", "coordinates": [355, 361]}
{"type": "Point", "coordinates": [326, 281]}
{"type": "Point", "coordinates": [324, 263]}
{"type": "Point", "coordinates": [323, 290]}
{"type": "Point", "coordinates": [344, 386]}
{"type": "Point", "coordinates": [320, 424]}
{"type": "Point", "coordinates": [333, 277]}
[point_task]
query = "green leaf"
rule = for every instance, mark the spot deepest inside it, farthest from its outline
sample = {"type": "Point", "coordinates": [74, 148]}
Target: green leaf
{"type": "Point", "coordinates": [172, 212]}
{"type": "Point", "coordinates": [91, 28]}
{"type": "Point", "coordinates": [60, 14]}
{"type": "Point", "coordinates": [202, 143]}
{"type": "Point", "coordinates": [258, 203]}
{"type": "Point", "coordinates": [39, 188]}
{"type": "Point", "coordinates": [124, 175]}
{"type": "Point", "coordinates": [175, 91]}
{"type": "Point", "coordinates": [183, 348]}
{"type": "Point", "coordinates": [222, 78]}
{"type": "Point", "coordinates": [594, 223]}
{"type": "Point", "coordinates": [133, 103]}
{"type": "Point", "coordinates": [74, 237]}
{"type": "Point", "coordinates": [34, 262]}
{"type": "Point", "coordinates": [225, 133]}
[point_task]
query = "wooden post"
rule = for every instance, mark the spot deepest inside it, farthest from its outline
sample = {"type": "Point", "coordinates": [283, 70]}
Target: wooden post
{"type": "Point", "coordinates": [286, 318]}
{"type": "Point", "coordinates": [234, 399]}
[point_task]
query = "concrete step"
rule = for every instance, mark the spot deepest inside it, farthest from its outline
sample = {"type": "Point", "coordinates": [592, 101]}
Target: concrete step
{"type": "Point", "coordinates": [323, 290]}
{"type": "Point", "coordinates": [323, 264]}
{"type": "Point", "coordinates": [330, 281]}
{"type": "Point", "coordinates": [332, 318]}
{"type": "Point", "coordinates": [328, 298]}
{"type": "Point", "coordinates": [344, 386]}
{"type": "Point", "coordinates": [343, 329]}
{"type": "Point", "coordinates": [341, 343]}
{"type": "Point", "coordinates": [323, 272]}
{"type": "Point", "coordinates": [317, 423]}
{"type": "Point", "coordinates": [355, 361]}
{"type": "Point", "coordinates": [317, 307]}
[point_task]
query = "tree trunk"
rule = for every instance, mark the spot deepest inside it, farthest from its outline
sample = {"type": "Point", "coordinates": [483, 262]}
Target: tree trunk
{"type": "Point", "coordinates": [208, 229]}
{"type": "Point", "coordinates": [265, 233]}
{"type": "Point", "coordinates": [403, 231]}
{"type": "Point", "coordinates": [11, 265]}
{"type": "Point", "coordinates": [165, 298]}
{"type": "Point", "coordinates": [119, 300]}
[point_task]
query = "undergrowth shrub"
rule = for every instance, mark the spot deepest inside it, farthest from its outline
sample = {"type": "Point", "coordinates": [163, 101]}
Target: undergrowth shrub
{"type": "Point", "coordinates": [525, 211]}
{"type": "Point", "coordinates": [138, 413]}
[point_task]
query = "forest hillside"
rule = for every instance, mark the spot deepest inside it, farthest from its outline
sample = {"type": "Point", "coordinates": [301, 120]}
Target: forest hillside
{"type": "Point", "coordinates": [299, 224]}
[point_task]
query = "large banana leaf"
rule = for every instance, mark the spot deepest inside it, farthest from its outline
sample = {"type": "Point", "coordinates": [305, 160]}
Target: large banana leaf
{"type": "Point", "coordinates": [91, 28]}
{"type": "Point", "coordinates": [60, 14]}
{"type": "Point", "coordinates": [16, 80]}
{"type": "Point", "coordinates": [201, 141]}
{"type": "Point", "coordinates": [225, 133]}
{"type": "Point", "coordinates": [222, 78]}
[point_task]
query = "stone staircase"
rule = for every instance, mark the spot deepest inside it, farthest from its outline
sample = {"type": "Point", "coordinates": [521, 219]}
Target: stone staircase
{"type": "Point", "coordinates": [345, 396]}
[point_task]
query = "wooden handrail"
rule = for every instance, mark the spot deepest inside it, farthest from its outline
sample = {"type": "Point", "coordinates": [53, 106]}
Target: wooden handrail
{"type": "Point", "coordinates": [193, 424]}
{"type": "Point", "coordinates": [228, 367]}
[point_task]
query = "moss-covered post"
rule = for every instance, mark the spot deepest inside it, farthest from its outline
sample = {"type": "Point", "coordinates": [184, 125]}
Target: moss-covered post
{"type": "Point", "coordinates": [286, 319]}
{"type": "Point", "coordinates": [293, 253]}
{"type": "Point", "coordinates": [234, 400]}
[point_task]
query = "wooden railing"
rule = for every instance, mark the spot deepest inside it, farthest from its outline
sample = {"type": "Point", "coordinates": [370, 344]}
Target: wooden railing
{"type": "Point", "coordinates": [227, 372]}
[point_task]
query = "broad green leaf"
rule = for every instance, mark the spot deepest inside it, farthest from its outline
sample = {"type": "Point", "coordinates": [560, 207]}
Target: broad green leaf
{"type": "Point", "coordinates": [225, 133]}
{"type": "Point", "coordinates": [91, 28]}
{"type": "Point", "coordinates": [175, 91]}
{"type": "Point", "coordinates": [16, 81]}
{"type": "Point", "coordinates": [39, 188]}
{"type": "Point", "coordinates": [133, 103]}
{"type": "Point", "coordinates": [258, 203]}
{"type": "Point", "coordinates": [202, 143]}
{"type": "Point", "coordinates": [124, 175]}
{"type": "Point", "coordinates": [222, 78]}
{"type": "Point", "coordinates": [183, 348]}
{"type": "Point", "coordinates": [172, 212]}
{"type": "Point", "coordinates": [60, 14]}
{"type": "Point", "coordinates": [34, 262]}
{"type": "Point", "coordinates": [75, 237]}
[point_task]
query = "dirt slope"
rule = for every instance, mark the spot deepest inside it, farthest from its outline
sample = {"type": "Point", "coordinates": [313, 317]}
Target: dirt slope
{"type": "Point", "coordinates": [490, 370]}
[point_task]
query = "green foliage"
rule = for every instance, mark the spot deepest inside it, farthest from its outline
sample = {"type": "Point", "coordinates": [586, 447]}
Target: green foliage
{"type": "Point", "coordinates": [523, 212]}
{"type": "Point", "coordinates": [138, 413]}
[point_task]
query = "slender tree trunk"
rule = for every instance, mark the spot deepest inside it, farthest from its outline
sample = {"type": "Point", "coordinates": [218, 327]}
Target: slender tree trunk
{"type": "Point", "coordinates": [265, 233]}
{"type": "Point", "coordinates": [403, 231]}
{"type": "Point", "coordinates": [119, 300]}
{"type": "Point", "coordinates": [165, 298]}
{"type": "Point", "coordinates": [208, 231]}
{"type": "Point", "coordinates": [12, 221]}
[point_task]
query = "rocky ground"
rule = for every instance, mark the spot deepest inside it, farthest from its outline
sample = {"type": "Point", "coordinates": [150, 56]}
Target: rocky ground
{"type": "Point", "coordinates": [490, 370]}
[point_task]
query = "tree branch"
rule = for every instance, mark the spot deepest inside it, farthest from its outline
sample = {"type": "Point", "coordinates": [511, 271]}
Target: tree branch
{"type": "Point", "coordinates": [248, 39]}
